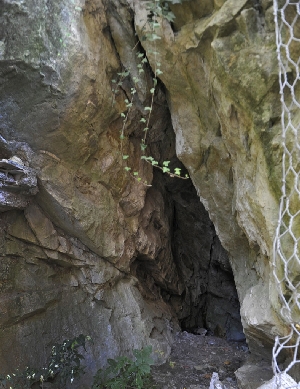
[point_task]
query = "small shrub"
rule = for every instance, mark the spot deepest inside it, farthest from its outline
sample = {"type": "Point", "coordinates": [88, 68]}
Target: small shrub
{"type": "Point", "coordinates": [125, 373]}
{"type": "Point", "coordinates": [64, 365]}
{"type": "Point", "coordinates": [66, 359]}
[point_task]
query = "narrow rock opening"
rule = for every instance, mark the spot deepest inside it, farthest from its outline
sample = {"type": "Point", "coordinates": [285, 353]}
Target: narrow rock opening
{"type": "Point", "coordinates": [197, 281]}
{"type": "Point", "coordinates": [185, 264]}
{"type": "Point", "coordinates": [210, 298]}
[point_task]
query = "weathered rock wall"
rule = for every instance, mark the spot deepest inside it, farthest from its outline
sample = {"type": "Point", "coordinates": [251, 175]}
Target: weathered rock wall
{"type": "Point", "coordinates": [220, 71]}
{"type": "Point", "coordinates": [66, 251]}
{"type": "Point", "coordinates": [87, 249]}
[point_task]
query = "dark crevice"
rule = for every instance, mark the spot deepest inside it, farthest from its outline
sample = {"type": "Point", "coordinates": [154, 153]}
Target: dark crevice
{"type": "Point", "coordinates": [183, 262]}
{"type": "Point", "coordinates": [191, 270]}
{"type": "Point", "coordinates": [198, 284]}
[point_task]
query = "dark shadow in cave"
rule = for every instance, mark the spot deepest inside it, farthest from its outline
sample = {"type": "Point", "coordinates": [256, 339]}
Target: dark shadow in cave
{"type": "Point", "coordinates": [190, 269]}
{"type": "Point", "coordinates": [210, 299]}
{"type": "Point", "coordinates": [199, 284]}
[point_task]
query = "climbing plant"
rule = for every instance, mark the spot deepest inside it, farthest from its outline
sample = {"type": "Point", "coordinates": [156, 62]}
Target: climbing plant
{"type": "Point", "coordinates": [157, 10]}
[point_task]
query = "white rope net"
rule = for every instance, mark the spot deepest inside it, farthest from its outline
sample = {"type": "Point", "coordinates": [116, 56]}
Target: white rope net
{"type": "Point", "coordinates": [286, 259]}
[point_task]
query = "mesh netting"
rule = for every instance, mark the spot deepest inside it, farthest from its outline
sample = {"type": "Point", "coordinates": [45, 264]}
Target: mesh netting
{"type": "Point", "coordinates": [286, 352]}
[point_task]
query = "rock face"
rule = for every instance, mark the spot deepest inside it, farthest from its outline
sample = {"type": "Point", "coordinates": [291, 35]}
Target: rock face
{"type": "Point", "coordinates": [67, 249]}
{"type": "Point", "coordinates": [86, 248]}
{"type": "Point", "coordinates": [220, 71]}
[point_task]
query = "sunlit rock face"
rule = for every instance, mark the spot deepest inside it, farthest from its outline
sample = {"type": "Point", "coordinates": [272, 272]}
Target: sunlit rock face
{"type": "Point", "coordinates": [69, 238]}
{"type": "Point", "coordinates": [221, 75]}
{"type": "Point", "coordinates": [86, 248]}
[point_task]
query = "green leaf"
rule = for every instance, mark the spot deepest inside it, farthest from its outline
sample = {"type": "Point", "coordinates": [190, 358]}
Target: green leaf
{"type": "Point", "coordinates": [165, 169]}
{"type": "Point", "coordinates": [143, 120]}
{"type": "Point", "coordinates": [123, 115]}
{"type": "Point", "coordinates": [135, 173]}
{"type": "Point", "coordinates": [148, 109]}
{"type": "Point", "coordinates": [169, 16]}
{"type": "Point", "coordinates": [127, 168]}
{"type": "Point", "coordinates": [144, 355]}
{"type": "Point", "coordinates": [154, 163]}
{"type": "Point", "coordinates": [143, 147]}
{"type": "Point", "coordinates": [152, 90]}
{"type": "Point", "coordinates": [177, 171]}
{"type": "Point", "coordinates": [154, 37]}
{"type": "Point", "coordinates": [150, 159]}
{"type": "Point", "coordinates": [166, 163]}
{"type": "Point", "coordinates": [125, 156]}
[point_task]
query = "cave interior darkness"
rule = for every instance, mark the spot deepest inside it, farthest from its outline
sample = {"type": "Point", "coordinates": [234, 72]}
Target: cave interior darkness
{"type": "Point", "coordinates": [201, 289]}
{"type": "Point", "coordinates": [191, 272]}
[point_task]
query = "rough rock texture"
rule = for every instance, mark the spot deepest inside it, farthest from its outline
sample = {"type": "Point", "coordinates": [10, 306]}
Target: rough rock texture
{"type": "Point", "coordinates": [221, 75]}
{"type": "Point", "coordinates": [253, 376]}
{"type": "Point", "coordinates": [94, 251]}
{"type": "Point", "coordinates": [17, 181]}
{"type": "Point", "coordinates": [52, 286]}
{"type": "Point", "coordinates": [65, 259]}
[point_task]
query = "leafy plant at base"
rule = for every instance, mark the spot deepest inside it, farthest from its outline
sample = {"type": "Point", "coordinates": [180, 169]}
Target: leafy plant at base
{"type": "Point", "coordinates": [125, 373]}
{"type": "Point", "coordinates": [64, 365]}
{"type": "Point", "coordinates": [156, 9]}
{"type": "Point", "coordinates": [66, 359]}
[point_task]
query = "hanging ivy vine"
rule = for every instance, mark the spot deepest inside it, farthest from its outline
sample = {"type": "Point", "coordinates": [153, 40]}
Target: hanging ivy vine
{"type": "Point", "coordinates": [157, 10]}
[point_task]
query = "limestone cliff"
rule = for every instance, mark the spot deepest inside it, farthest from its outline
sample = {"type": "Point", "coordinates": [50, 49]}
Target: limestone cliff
{"type": "Point", "coordinates": [221, 75]}
{"type": "Point", "coordinates": [84, 247]}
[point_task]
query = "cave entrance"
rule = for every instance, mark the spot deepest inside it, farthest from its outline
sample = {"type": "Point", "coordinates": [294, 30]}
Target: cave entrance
{"type": "Point", "coordinates": [183, 261]}
{"type": "Point", "coordinates": [192, 271]}
{"type": "Point", "coordinates": [210, 297]}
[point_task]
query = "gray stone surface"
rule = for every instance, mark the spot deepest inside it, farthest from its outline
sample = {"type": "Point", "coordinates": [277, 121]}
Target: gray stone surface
{"type": "Point", "coordinates": [221, 75]}
{"type": "Point", "coordinates": [53, 287]}
{"type": "Point", "coordinates": [18, 182]}
{"type": "Point", "coordinates": [252, 376]}
{"type": "Point", "coordinates": [96, 252]}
